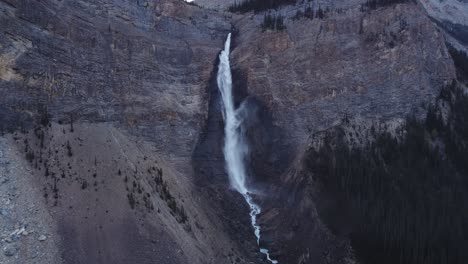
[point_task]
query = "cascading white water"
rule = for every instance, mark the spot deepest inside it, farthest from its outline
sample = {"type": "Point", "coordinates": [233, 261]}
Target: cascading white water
{"type": "Point", "coordinates": [235, 149]}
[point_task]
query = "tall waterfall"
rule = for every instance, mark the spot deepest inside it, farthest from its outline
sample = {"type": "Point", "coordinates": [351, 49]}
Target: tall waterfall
{"type": "Point", "coordinates": [235, 149]}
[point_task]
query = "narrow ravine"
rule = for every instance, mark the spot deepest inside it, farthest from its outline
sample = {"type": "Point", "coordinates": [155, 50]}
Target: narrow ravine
{"type": "Point", "coordinates": [235, 148]}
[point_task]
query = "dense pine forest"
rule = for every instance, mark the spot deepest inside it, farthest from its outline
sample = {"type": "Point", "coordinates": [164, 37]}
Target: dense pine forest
{"type": "Point", "coordinates": [273, 22]}
{"type": "Point", "coordinates": [262, 5]}
{"type": "Point", "coordinates": [407, 191]}
{"type": "Point", "coordinates": [258, 5]}
{"type": "Point", "coordinates": [310, 13]}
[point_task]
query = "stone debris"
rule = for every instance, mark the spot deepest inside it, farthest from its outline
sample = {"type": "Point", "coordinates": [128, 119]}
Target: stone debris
{"type": "Point", "coordinates": [10, 250]}
{"type": "Point", "coordinates": [4, 180]}
{"type": "Point", "coordinates": [18, 231]}
{"type": "Point", "coordinates": [22, 213]}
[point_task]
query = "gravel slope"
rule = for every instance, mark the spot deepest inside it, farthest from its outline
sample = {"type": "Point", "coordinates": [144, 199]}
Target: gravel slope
{"type": "Point", "coordinates": [26, 227]}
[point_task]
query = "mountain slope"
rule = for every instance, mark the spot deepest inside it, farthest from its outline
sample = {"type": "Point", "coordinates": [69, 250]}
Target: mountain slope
{"type": "Point", "coordinates": [111, 113]}
{"type": "Point", "coordinates": [105, 101]}
{"type": "Point", "coordinates": [369, 65]}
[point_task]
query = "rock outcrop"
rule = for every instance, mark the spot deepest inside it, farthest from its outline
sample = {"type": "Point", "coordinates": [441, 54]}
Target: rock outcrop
{"type": "Point", "coordinates": [105, 102]}
{"type": "Point", "coordinates": [451, 18]}
{"type": "Point", "coordinates": [372, 66]}
{"type": "Point", "coordinates": [144, 65]}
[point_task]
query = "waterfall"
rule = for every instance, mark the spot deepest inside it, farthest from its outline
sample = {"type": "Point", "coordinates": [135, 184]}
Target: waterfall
{"type": "Point", "coordinates": [235, 148]}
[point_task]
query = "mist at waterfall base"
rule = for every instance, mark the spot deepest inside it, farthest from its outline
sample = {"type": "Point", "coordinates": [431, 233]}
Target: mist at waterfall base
{"type": "Point", "coordinates": [235, 147]}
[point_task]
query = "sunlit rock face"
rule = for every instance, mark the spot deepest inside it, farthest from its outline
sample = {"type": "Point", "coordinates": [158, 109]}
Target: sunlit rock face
{"type": "Point", "coordinates": [144, 64]}
{"type": "Point", "coordinates": [450, 16]}
{"type": "Point", "coordinates": [132, 77]}
{"type": "Point", "coordinates": [453, 11]}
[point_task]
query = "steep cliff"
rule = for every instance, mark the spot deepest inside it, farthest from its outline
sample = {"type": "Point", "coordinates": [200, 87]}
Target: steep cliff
{"type": "Point", "coordinates": [104, 101]}
{"type": "Point", "coordinates": [143, 64]}
{"type": "Point", "coordinates": [369, 65]}
{"type": "Point", "coordinates": [112, 125]}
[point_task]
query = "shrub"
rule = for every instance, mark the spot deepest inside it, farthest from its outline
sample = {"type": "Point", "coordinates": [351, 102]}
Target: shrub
{"type": "Point", "coordinates": [84, 184]}
{"type": "Point", "coordinates": [44, 115]}
{"type": "Point", "coordinates": [30, 156]}
{"type": "Point", "coordinates": [131, 200]}
{"type": "Point", "coordinates": [69, 150]}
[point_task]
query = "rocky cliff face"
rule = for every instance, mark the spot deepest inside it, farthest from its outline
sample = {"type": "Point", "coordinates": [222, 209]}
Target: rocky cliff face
{"type": "Point", "coordinates": [369, 64]}
{"type": "Point", "coordinates": [372, 66]}
{"type": "Point", "coordinates": [99, 95]}
{"type": "Point", "coordinates": [450, 16]}
{"type": "Point", "coordinates": [143, 64]}
{"type": "Point", "coordinates": [111, 110]}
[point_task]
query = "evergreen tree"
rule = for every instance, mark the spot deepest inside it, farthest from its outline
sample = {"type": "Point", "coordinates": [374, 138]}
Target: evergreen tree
{"type": "Point", "coordinates": [258, 5]}
{"type": "Point", "coordinates": [408, 193]}
{"type": "Point", "coordinates": [273, 22]}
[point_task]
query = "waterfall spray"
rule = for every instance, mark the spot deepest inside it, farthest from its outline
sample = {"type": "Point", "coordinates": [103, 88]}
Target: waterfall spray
{"type": "Point", "coordinates": [235, 149]}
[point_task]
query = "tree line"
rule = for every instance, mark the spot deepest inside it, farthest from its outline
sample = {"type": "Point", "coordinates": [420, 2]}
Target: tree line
{"type": "Point", "coordinates": [408, 191]}
{"type": "Point", "coordinates": [310, 13]}
{"type": "Point", "coordinates": [273, 22]}
{"type": "Point", "coordinates": [374, 4]}
{"type": "Point", "coordinates": [258, 5]}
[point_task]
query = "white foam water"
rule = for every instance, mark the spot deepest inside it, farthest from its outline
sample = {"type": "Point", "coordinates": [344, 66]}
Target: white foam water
{"type": "Point", "coordinates": [235, 148]}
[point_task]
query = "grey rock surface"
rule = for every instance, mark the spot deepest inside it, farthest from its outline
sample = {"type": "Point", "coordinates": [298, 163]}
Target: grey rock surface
{"type": "Point", "coordinates": [450, 16]}
{"type": "Point", "coordinates": [372, 66]}
{"type": "Point", "coordinates": [380, 64]}
{"type": "Point", "coordinates": [141, 66]}
{"type": "Point", "coordinates": [144, 64]}
{"type": "Point", "coordinates": [23, 211]}
{"type": "Point", "coordinates": [9, 250]}
{"type": "Point", "coordinates": [136, 78]}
